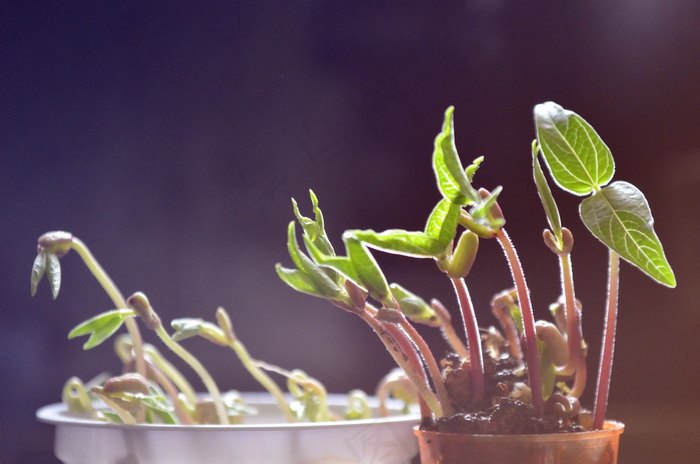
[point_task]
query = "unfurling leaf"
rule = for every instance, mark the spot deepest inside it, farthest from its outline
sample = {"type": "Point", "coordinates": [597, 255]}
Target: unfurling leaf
{"type": "Point", "coordinates": [577, 157]}
{"type": "Point", "coordinates": [545, 194]}
{"type": "Point", "coordinates": [620, 217]}
{"type": "Point", "coordinates": [101, 326]}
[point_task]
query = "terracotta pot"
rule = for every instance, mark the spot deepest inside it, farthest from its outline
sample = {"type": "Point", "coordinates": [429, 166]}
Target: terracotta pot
{"type": "Point", "coordinates": [595, 447]}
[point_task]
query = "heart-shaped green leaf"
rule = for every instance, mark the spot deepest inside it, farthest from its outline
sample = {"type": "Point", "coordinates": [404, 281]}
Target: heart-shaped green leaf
{"type": "Point", "coordinates": [619, 216]}
{"type": "Point", "coordinates": [101, 326]}
{"type": "Point", "coordinates": [577, 157]}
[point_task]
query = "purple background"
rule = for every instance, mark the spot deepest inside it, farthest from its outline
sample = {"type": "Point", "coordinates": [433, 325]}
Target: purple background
{"type": "Point", "coordinates": [170, 136]}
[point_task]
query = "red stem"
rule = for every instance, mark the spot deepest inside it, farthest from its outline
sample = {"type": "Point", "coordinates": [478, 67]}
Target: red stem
{"type": "Point", "coordinates": [533, 361]}
{"type": "Point", "coordinates": [608, 349]}
{"type": "Point", "coordinates": [473, 339]}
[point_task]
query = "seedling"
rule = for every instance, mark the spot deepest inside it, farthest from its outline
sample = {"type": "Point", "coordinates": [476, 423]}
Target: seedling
{"type": "Point", "coordinates": [152, 390]}
{"type": "Point", "coordinates": [535, 368]}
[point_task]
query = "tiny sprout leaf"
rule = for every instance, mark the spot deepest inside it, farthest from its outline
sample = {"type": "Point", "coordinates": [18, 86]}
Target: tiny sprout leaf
{"type": "Point", "coordinates": [323, 284]}
{"type": "Point", "coordinates": [411, 305]}
{"type": "Point", "coordinates": [620, 217]}
{"type": "Point", "coordinates": [577, 157]}
{"type": "Point", "coordinates": [101, 326]}
{"type": "Point", "coordinates": [191, 327]}
{"type": "Point", "coordinates": [38, 270]}
{"type": "Point", "coordinates": [297, 280]}
{"type": "Point", "coordinates": [53, 273]}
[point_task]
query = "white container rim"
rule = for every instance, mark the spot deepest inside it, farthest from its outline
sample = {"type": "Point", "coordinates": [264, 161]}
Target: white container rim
{"type": "Point", "coordinates": [56, 414]}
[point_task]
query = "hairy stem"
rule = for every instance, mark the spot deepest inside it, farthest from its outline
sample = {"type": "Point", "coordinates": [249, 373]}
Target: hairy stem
{"type": "Point", "coordinates": [448, 331]}
{"type": "Point", "coordinates": [471, 327]}
{"type": "Point", "coordinates": [404, 354]}
{"type": "Point", "coordinates": [533, 361]}
{"type": "Point", "coordinates": [577, 361]}
{"type": "Point", "coordinates": [608, 348]}
{"type": "Point", "coordinates": [431, 363]}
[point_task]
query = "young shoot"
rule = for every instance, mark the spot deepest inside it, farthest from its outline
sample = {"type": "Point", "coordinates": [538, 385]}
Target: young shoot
{"type": "Point", "coordinates": [532, 365]}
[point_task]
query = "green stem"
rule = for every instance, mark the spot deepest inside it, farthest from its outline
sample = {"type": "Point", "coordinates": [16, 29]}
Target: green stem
{"type": "Point", "coordinates": [533, 361]}
{"type": "Point", "coordinates": [252, 366]}
{"type": "Point", "coordinates": [116, 297]}
{"type": "Point", "coordinates": [608, 348]}
{"type": "Point", "coordinates": [577, 361]}
{"type": "Point", "coordinates": [201, 371]}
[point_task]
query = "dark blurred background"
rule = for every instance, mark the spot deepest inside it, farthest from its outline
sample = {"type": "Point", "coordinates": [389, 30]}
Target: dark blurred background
{"type": "Point", "coordinates": [170, 137]}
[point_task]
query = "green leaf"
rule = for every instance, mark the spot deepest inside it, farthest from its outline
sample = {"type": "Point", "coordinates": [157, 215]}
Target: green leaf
{"type": "Point", "coordinates": [297, 280]}
{"type": "Point", "coordinates": [101, 326]}
{"type": "Point", "coordinates": [338, 268]}
{"type": "Point", "coordinates": [619, 216]}
{"type": "Point", "coordinates": [411, 305]}
{"type": "Point", "coordinates": [453, 180]}
{"type": "Point", "coordinates": [543, 190]}
{"type": "Point", "coordinates": [442, 223]}
{"type": "Point", "coordinates": [314, 229]}
{"type": "Point", "coordinates": [53, 273]}
{"type": "Point", "coordinates": [323, 284]}
{"type": "Point", "coordinates": [577, 157]}
{"type": "Point", "coordinates": [38, 270]}
{"type": "Point", "coordinates": [367, 269]}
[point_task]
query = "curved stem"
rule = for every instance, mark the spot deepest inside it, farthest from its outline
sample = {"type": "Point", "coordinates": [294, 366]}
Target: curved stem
{"type": "Point", "coordinates": [577, 360]}
{"type": "Point", "coordinates": [608, 349]}
{"type": "Point", "coordinates": [193, 362]}
{"type": "Point", "coordinates": [431, 363]}
{"type": "Point", "coordinates": [471, 327]}
{"type": "Point", "coordinates": [405, 356]}
{"type": "Point", "coordinates": [533, 361]}
{"type": "Point", "coordinates": [116, 297]}
{"type": "Point", "coordinates": [448, 331]}
{"type": "Point", "coordinates": [254, 369]}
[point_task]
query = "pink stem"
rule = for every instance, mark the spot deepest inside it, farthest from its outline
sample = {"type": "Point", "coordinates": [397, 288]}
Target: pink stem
{"type": "Point", "coordinates": [471, 328]}
{"type": "Point", "coordinates": [533, 361]}
{"type": "Point", "coordinates": [608, 349]}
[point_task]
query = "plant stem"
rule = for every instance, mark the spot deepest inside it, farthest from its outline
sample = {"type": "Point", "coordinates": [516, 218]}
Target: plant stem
{"type": "Point", "coordinates": [471, 327]}
{"type": "Point", "coordinates": [533, 361]}
{"type": "Point", "coordinates": [264, 379]}
{"type": "Point", "coordinates": [405, 356]}
{"type": "Point", "coordinates": [608, 348]}
{"type": "Point", "coordinates": [116, 297]}
{"type": "Point", "coordinates": [431, 363]}
{"type": "Point", "coordinates": [193, 362]}
{"type": "Point", "coordinates": [448, 331]}
{"type": "Point", "coordinates": [577, 361]}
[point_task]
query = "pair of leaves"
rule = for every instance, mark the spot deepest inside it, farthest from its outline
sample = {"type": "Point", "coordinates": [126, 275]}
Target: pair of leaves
{"type": "Point", "coordinates": [617, 214]}
{"type": "Point", "coordinates": [46, 264]}
{"type": "Point", "coordinates": [455, 182]}
{"type": "Point", "coordinates": [101, 327]}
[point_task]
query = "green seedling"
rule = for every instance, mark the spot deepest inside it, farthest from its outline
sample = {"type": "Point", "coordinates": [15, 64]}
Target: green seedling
{"type": "Point", "coordinates": [547, 366]}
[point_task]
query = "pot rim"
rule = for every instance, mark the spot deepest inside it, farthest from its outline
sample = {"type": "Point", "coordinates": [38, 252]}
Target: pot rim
{"type": "Point", "coordinates": [611, 428]}
{"type": "Point", "coordinates": [56, 414]}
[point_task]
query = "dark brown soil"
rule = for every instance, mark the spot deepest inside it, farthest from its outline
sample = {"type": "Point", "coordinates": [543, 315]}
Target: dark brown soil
{"type": "Point", "coordinates": [498, 413]}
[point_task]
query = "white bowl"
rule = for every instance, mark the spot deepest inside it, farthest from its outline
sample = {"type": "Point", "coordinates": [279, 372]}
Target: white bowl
{"type": "Point", "coordinates": [265, 438]}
